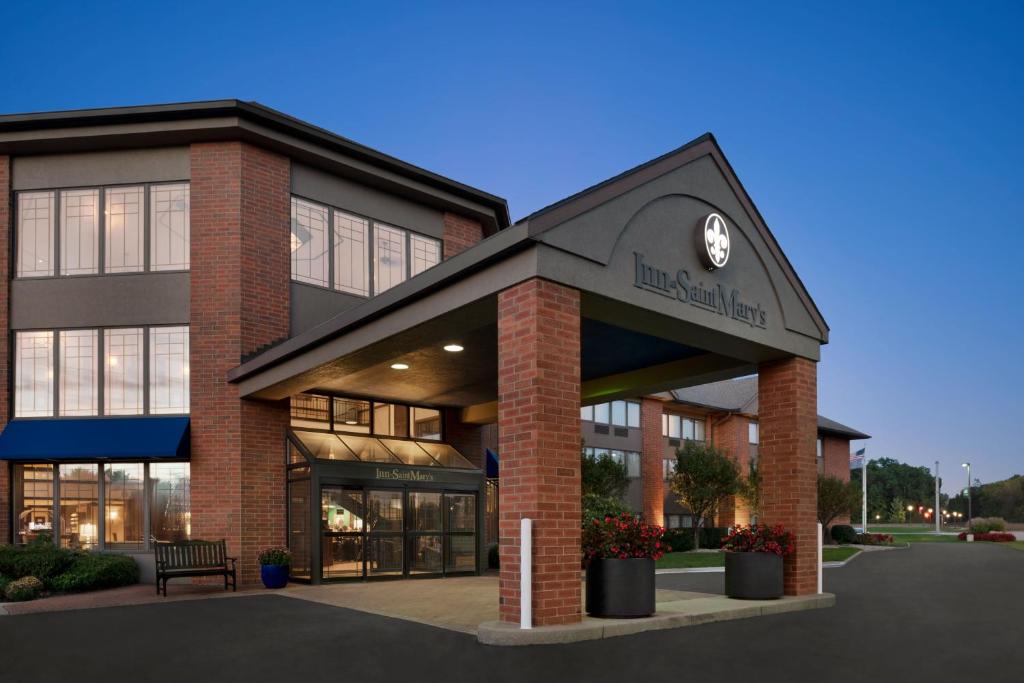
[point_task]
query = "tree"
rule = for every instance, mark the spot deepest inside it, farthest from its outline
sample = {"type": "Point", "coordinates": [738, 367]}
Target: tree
{"type": "Point", "coordinates": [750, 491]}
{"type": "Point", "coordinates": [704, 477]}
{"type": "Point", "coordinates": [602, 482]}
{"type": "Point", "coordinates": [835, 498]}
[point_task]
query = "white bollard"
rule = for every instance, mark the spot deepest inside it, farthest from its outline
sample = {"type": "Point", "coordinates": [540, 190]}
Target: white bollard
{"type": "Point", "coordinates": [819, 558]}
{"type": "Point", "coordinates": [525, 573]}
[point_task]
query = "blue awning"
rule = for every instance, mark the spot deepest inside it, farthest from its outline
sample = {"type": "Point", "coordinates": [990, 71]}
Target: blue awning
{"type": "Point", "coordinates": [97, 438]}
{"type": "Point", "coordinates": [492, 464]}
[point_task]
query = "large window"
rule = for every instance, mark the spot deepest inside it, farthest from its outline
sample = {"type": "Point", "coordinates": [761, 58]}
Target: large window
{"type": "Point", "coordinates": [78, 372]}
{"type": "Point", "coordinates": [629, 459]}
{"type": "Point", "coordinates": [170, 501]}
{"type": "Point", "coordinates": [753, 438]}
{"type": "Point", "coordinates": [123, 504]}
{"type": "Point", "coordinates": [33, 374]}
{"type": "Point", "coordinates": [79, 505]}
{"type": "Point", "coordinates": [616, 413]}
{"type": "Point", "coordinates": [338, 250]}
{"type": "Point", "coordinates": [33, 501]}
{"type": "Point", "coordinates": [168, 370]}
{"type": "Point", "coordinates": [103, 230]}
{"type": "Point", "coordinates": [679, 427]}
{"type": "Point", "coordinates": [121, 370]}
{"type": "Point", "coordinates": [170, 234]}
{"type": "Point", "coordinates": [35, 234]}
{"type": "Point", "coordinates": [79, 232]}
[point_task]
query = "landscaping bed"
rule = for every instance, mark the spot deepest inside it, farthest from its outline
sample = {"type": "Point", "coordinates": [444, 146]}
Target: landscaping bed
{"type": "Point", "coordinates": [40, 568]}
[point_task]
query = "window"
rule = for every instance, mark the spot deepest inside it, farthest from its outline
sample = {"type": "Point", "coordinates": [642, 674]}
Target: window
{"type": "Point", "coordinates": [426, 253]}
{"type": "Point", "coordinates": [123, 249]}
{"type": "Point", "coordinates": [390, 419]}
{"type": "Point", "coordinates": [351, 415]}
{"type": "Point", "coordinates": [426, 423]}
{"type": "Point", "coordinates": [79, 506]}
{"type": "Point", "coordinates": [688, 429]}
{"type": "Point", "coordinates": [170, 511]}
{"type": "Point", "coordinates": [351, 258]}
{"type": "Point", "coordinates": [78, 356]}
{"type": "Point", "coordinates": [601, 413]}
{"type": "Point", "coordinates": [33, 383]}
{"type": "Point", "coordinates": [169, 208]}
{"type": "Point", "coordinates": [79, 232]}
{"type": "Point", "coordinates": [309, 243]}
{"type": "Point", "coordinates": [675, 427]}
{"type": "Point", "coordinates": [33, 501]}
{"type": "Point", "coordinates": [587, 413]}
{"type": "Point", "coordinates": [693, 429]}
{"type": "Point", "coordinates": [35, 234]}
{"type": "Point", "coordinates": [124, 522]}
{"type": "Point", "coordinates": [389, 249]}
{"type": "Point", "coordinates": [632, 464]}
{"type": "Point", "coordinates": [168, 370]}
{"type": "Point", "coordinates": [752, 435]}
{"type": "Point", "coordinates": [619, 413]}
{"type": "Point", "coordinates": [668, 466]}
{"type": "Point", "coordinates": [633, 415]}
{"type": "Point", "coordinates": [820, 457]}
{"type": "Point", "coordinates": [122, 371]}
{"type": "Point", "coordinates": [310, 410]}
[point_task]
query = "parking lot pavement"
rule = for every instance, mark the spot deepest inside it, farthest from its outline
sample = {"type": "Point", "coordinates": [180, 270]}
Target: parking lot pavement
{"type": "Point", "coordinates": [934, 611]}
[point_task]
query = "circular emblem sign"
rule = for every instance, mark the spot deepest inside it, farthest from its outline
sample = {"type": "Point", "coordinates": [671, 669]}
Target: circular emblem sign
{"type": "Point", "coordinates": [713, 241]}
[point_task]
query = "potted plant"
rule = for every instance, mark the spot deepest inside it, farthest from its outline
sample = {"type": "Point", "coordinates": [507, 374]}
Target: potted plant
{"type": "Point", "coordinates": [619, 555]}
{"type": "Point", "coordinates": [274, 565]}
{"type": "Point", "coordinates": [753, 561]}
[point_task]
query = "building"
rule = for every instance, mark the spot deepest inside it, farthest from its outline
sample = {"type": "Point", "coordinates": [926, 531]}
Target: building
{"type": "Point", "coordinates": [228, 323]}
{"type": "Point", "coordinates": [721, 413]}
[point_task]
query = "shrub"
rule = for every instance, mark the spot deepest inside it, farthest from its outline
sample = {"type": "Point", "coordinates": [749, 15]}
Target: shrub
{"type": "Point", "coordinates": [493, 559]}
{"type": "Point", "coordinates": [760, 539]}
{"type": "Point", "coordinates": [990, 536]}
{"type": "Point", "coordinates": [844, 534]}
{"type": "Point", "coordinates": [92, 571]}
{"type": "Point", "coordinates": [874, 539]}
{"type": "Point", "coordinates": [621, 537]}
{"type": "Point", "coordinates": [3, 584]}
{"type": "Point", "coordinates": [981, 525]}
{"type": "Point", "coordinates": [598, 507]}
{"type": "Point", "coordinates": [276, 556]}
{"type": "Point", "coordinates": [25, 588]}
{"type": "Point", "coordinates": [677, 540]}
{"type": "Point", "coordinates": [712, 536]}
{"type": "Point", "coordinates": [40, 559]}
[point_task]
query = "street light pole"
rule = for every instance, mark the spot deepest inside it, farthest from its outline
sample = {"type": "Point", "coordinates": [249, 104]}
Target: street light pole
{"type": "Point", "coordinates": [968, 466]}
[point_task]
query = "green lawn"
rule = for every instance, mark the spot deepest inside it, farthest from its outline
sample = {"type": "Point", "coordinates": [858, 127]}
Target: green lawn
{"type": "Point", "coordinates": [924, 538]}
{"type": "Point", "coordinates": [908, 529]}
{"type": "Point", "coordinates": [1019, 545]}
{"type": "Point", "coordinates": [692, 560]}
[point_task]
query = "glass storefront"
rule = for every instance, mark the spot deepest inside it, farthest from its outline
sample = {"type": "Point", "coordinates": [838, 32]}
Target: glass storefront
{"type": "Point", "coordinates": [119, 506]}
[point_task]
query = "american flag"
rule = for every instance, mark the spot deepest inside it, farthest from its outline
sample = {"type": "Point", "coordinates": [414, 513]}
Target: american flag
{"type": "Point", "coordinates": [857, 459]}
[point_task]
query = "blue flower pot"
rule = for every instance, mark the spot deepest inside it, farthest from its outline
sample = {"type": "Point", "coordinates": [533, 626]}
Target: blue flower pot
{"type": "Point", "coordinates": [274, 575]}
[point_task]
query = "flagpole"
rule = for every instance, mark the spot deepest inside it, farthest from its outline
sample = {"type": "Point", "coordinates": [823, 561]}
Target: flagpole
{"type": "Point", "coordinates": [937, 511]}
{"type": "Point", "coordinates": [864, 490]}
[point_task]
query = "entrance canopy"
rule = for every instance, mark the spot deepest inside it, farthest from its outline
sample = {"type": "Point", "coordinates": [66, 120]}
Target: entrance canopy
{"type": "Point", "coordinates": [129, 438]}
{"type": "Point", "coordinates": [681, 283]}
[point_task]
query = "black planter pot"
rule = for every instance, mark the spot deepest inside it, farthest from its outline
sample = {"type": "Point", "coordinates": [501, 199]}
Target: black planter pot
{"type": "Point", "coordinates": [753, 576]}
{"type": "Point", "coordinates": [620, 588]}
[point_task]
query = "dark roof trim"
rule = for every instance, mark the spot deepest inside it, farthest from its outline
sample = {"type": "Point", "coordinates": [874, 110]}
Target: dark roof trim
{"type": "Point", "coordinates": [827, 426]}
{"type": "Point", "coordinates": [253, 111]}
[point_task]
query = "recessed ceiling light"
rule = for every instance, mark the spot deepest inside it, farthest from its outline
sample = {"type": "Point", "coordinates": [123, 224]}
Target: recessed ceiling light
{"type": "Point", "coordinates": [399, 366]}
{"type": "Point", "coordinates": [453, 348]}
{"type": "Point", "coordinates": [351, 422]}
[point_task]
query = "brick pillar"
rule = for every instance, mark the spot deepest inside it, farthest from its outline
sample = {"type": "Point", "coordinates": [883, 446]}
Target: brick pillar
{"type": "Point", "coordinates": [460, 233]}
{"type": "Point", "coordinates": [239, 302]}
{"type": "Point", "coordinates": [539, 443]}
{"type": "Point", "coordinates": [788, 415]}
{"type": "Point", "coordinates": [730, 435]}
{"type": "Point", "coordinates": [5, 269]}
{"type": "Point", "coordinates": [652, 476]}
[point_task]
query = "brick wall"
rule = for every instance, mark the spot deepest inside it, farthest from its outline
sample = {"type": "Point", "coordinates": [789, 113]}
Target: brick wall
{"type": "Point", "coordinates": [836, 452]}
{"type": "Point", "coordinates": [652, 456]}
{"type": "Point", "coordinates": [5, 265]}
{"type": "Point", "coordinates": [466, 438]}
{"type": "Point", "coordinates": [460, 233]}
{"type": "Point", "coordinates": [239, 302]}
{"type": "Point", "coordinates": [539, 443]}
{"type": "Point", "coordinates": [788, 403]}
{"type": "Point", "coordinates": [729, 433]}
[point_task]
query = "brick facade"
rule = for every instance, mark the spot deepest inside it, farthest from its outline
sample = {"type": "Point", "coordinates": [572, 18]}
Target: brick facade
{"type": "Point", "coordinates": [240, 275]}
{"type": "Point", "coordinates": [836, 453]}
{"type": "Point", "coordinates": [5, 267]}
{"type": "Point", "coordinates": [539, 438]}
{"type": "Point", "coordinates": [460, 233]}
{"type": "Point", "coordinates": [787, 412]}
{"type": "Point", "coordinates": [730, 434]}
{"type": "Point", "coordinates": [651, 459]}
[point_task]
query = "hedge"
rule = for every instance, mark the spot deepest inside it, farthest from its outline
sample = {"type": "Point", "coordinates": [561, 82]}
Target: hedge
{"type": "Point", "coordinates": [66, 571]}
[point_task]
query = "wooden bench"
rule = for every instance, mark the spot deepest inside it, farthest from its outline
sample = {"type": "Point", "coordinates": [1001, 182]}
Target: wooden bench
{"type": "Point", "coordinates": [193, 558]}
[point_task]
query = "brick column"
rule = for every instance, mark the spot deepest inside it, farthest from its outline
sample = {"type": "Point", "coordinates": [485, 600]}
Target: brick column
{"type": "Point", "coordinates": [730, 435]}
{"type": "Point", "coordinates": [788, 415]}
{"type": "Point", "coordinates": [5, 269]}
{"type": "Point", "coordinates": [460, 233]}
{"type": "Point", "coordinates": [240, 270]}
{"type": "Point", "coordinates": [539, 442]}
{"type": "Point", "coordinates": [652, 476]}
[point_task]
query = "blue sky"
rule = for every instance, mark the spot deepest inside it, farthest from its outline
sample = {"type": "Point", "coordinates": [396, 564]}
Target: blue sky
{"type": "Point", "coordinates": [882, 143]}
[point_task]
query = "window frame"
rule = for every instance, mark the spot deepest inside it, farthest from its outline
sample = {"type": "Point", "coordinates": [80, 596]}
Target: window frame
{"type": "Point", "coordinates": [371, 256]}
{"type": "Point", "coordinates": [55, 247]}
{"type": "Point", "coordinates": [333, 426]}
{"type": "Point", "coordinates": [100, 371]}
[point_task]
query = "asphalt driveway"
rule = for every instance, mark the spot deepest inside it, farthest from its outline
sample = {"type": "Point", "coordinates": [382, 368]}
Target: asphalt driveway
{"type": "Point", "coordinates": [933, 612]}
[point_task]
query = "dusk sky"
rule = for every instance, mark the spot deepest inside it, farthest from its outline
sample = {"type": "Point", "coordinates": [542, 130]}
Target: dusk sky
{"type": "Point", "coordinates": [882, 143]}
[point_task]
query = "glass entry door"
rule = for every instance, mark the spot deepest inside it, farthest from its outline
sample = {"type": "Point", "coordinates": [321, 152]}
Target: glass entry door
{"type": "Point", "coordinates": [385, 522]}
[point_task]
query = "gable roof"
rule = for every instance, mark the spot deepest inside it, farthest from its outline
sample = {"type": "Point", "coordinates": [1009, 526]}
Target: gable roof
{"type": "Point", "coordinates": [740, 396]}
